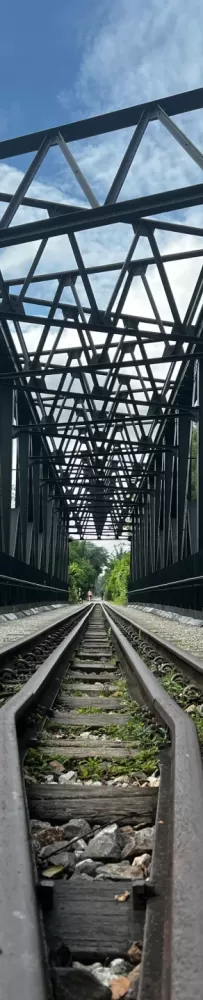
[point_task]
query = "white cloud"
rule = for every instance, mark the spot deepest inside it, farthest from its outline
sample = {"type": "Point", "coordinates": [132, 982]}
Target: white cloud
{"type": "Point", "coordinates": [139, 53]}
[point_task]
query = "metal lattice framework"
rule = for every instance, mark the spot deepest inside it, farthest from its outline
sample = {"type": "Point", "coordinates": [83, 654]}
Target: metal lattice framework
{"type": "Point", "coordinates": [102, 402]}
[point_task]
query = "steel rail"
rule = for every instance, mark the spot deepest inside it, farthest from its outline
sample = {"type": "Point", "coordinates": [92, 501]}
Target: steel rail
{"type": "Point", "coordinates": [183, 658]}
{"type": "Point", "coordinates": [22, 644]}
{"type": "Point", "coordinates": [174, 921]}
{"type": "Point", "coordinates": [22, 969]}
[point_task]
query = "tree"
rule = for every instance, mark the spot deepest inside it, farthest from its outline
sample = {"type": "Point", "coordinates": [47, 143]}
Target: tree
{"type": "Point", "coordinates": [85, 565]}
{"type": "Point", "coordinates": [115, 581]}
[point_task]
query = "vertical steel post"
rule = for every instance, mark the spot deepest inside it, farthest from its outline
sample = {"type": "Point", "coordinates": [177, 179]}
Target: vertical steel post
{"type": "Point", "coordinates": [23, 451]}
{"type": "Point", "coordinates": [44, 512]}
{"type": "Point", "coordinates": [200, 462]}
{"type": "Point", "coordinates": [6, 419]}
{"type": "Point", "coordinates": [36, 449]}
{"type": "Point", "coordinates": [146, 537]}
{"type": "Point", "coordinates": [184, 438]}
{"type": "Point", "coordinates": [132, 551]}
{"type": "Point", "coordinates": [49, 533]}
{"type": "Point", "coordinates": [152, 482]}
{"type": "Point", "coordinates": [158, 485]}
{"type": "Point", "coordinates": [168, 486]}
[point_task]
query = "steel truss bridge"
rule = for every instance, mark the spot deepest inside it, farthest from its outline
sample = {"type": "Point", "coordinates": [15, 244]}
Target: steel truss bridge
{"type": "Point", "coordinates": [99, 394]}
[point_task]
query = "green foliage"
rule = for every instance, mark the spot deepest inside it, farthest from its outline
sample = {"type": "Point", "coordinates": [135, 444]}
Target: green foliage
{"type": "Point", "coordinates": [38, 765]}
{"type": "Point", "coordinates": [116, 577]}
{"type": "Point", "coordinates": [95, 768]}
{"type": "Point", "coordinates": [188, 697]}
{"type": "Point", "coordinates": [86, 562]}
{"type": "Point", "coordinates": [85, 567]}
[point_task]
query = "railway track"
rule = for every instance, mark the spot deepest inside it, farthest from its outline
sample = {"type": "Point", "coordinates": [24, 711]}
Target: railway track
{"type": "Point", "coordinates": [20, 659]}
{"type": "Point", "coordinates": [109, 902]}
{"type": "Point", "coordinates": [173, 664]}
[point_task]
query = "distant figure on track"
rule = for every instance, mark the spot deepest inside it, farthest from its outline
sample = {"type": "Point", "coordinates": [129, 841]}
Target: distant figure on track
{"type": "Point", "coordinates": [89, 595]}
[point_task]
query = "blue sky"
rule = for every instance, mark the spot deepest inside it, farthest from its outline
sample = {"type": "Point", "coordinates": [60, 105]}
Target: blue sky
{"type": "Point", "coordinates": [74, 59]}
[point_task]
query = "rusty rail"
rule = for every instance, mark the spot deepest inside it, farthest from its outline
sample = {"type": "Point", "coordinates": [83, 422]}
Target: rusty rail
{"type": "Point", "coordinates": [172, 967]}
{"type": "Point", "coordinates": [21, 959]}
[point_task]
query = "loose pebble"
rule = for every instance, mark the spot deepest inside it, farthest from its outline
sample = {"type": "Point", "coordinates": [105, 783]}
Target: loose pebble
{"type": "Point", "coordinates": [135, 952]}
{"type": "Point", "coordinates": [86, 866]}
{"type": "Point", "coordinates": [68, 776]}
{"type": "Point", "coordinates": [106, 844]}
{"type": "Point", "coordinates": [57, 767]}
{"type": "Point", "coordinates": [138, 842]}
{"type": "Point", "coordinates": [77, 827]}
{"type": "Point", "coordinates": [119, 967]}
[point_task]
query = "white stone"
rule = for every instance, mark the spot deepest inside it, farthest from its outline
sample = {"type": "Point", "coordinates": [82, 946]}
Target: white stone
{"type": "Point", "coordinates": [77, 827]}
{"type": "Point", "coordinates": [119, 967]}
{"type": "Point", "coordinates": [68, 776]}
{"type": "Point", "coordinates": [105, 845]}
{"type": "Point", "coordinates": [78, 855]}
{"type": "Point", "coordinates": [103, 975]}
{"type": "Point", "coordinates": [86, 866]}
{"type": "Point", "coordinates": [120, 779]}
{"type": "Point", "coordinates": [138, 842]}
{"type": "Point", "coordinates": [153, 781]}
{"type": "Point", "coordinates": [92, 968]}
{"type": "Point", "coordinates": [141, 863]}
{"type": "Point", "coordinates": [122, 870]}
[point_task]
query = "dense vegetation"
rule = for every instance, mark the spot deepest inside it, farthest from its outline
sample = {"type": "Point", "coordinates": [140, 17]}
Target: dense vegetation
{"type": "Point", "coordinates": [115, 580]}
{"type": "Point", "coordinates": [86, 562]}
{"type": "Point", "coordinates": [86, 566]}
{"type": "Point", "coordinates": [91, 568]}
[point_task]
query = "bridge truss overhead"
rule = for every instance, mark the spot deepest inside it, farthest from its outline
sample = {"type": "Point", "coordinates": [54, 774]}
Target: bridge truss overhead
{"type": "Point", "coordinates": [101, 318]}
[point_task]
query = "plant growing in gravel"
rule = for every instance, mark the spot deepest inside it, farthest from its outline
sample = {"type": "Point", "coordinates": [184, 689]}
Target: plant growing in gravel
{"type": "Point", "coordinates": [99, 769]}
{"type": "Point", "coordinates": [186, 695]}
{"type": "Point", "coordinates": [92, 710]}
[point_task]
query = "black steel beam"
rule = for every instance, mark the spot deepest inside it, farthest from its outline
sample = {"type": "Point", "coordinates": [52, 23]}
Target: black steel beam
{"type": "Point", "coordinates": [82, 219]}
{"type": "Point", "coordinates": [177, 104]}
{"type": "Point", "coordinates": [106, 399]}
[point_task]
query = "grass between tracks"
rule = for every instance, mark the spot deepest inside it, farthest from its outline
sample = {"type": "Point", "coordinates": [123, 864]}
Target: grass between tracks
{"type": "Point", "coordinates": [187, 696]}
{"type": "Point", "coordinates": [184, 692]}
{"type": "Point", "coordinates": [140, 732]}
{"type": "Point", "coordinates": [38, 766]}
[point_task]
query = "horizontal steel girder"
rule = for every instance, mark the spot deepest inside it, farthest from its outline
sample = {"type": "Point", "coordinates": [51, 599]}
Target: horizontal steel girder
{"type": "Point", "coordinates": [100, 402]}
